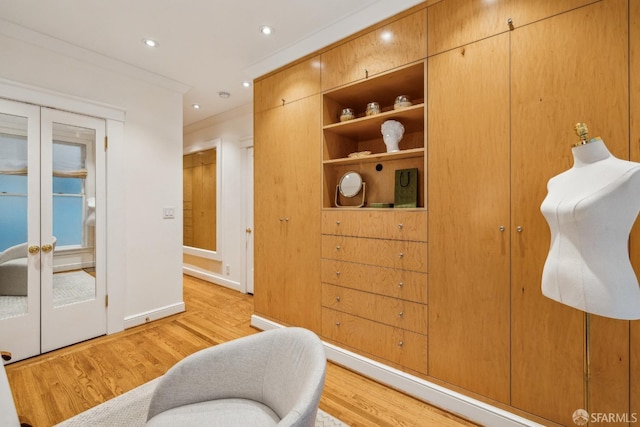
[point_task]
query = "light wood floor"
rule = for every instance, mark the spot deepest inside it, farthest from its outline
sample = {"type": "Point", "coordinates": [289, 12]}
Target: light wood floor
{"type": "Point", "coordinates": [55, 386]}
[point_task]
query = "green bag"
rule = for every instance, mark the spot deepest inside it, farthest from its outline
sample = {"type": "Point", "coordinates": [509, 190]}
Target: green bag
{"type": "Point", "coordinates": [406, 194]}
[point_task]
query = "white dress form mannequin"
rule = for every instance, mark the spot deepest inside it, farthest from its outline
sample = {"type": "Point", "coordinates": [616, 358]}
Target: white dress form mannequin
{"type": "Point", "coordinates": [590, 210]}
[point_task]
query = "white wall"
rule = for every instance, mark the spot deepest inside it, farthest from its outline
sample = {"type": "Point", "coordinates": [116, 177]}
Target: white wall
{"type": "Point", "coordinates": [234, 130]}
{"type": "Point", "coordinates": [144, 167]}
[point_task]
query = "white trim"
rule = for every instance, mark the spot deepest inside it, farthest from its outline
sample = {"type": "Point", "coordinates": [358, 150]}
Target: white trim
{"type": "Point", "coordinates": [61, 47]}
{"type": "Point", "coordinates": [41, 97]}
{"type": "Point", "coordinates": [429, 392]}
{"type": "Point", "coordinates": [210, 277]}
{"type": "Point", "coordinates": [149, 316]}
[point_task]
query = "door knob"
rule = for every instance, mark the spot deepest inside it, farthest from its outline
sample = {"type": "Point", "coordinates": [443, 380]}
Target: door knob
{"type": "Point", "coordinates": [248, 230]}
{"type": "Point", "coordinates": [34, 249]}
{"type": "Point", "coordinates": [47, 248]}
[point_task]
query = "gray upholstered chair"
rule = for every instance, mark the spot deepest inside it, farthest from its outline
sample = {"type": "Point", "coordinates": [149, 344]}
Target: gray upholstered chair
{"type": "Point", "coordinates": [273, 378]}
{"type": "Point", "coordinates": [13, 270]}
{"type": "Point", "coordinates": [8, 414]}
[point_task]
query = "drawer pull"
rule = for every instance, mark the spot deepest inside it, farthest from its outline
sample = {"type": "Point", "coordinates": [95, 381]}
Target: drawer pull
{"type": "Point", "coordinates": [401, 284]}
{"type": "Point", "coordinates": [337, 222]}
{"type": "Point", "coordinates": [337, 248]}
{"type": "Point", "coordinates": [338, 299]}
{"type": "Point", "coordinates": [401, 255]}
{"type": "Point", "coordinates": [400, 226]}
{"type": "Point", "coordinates": [400, 343]}
{"type": "Point", "coordinates": [401, 314]}
{"type": "Point", "coordinates": [337, 273]}
{"type": "Point", "coordinates": [337, 323]}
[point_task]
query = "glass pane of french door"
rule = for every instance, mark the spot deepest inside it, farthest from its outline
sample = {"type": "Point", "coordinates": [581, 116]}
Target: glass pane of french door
{"type": "Point", "coordinates": [19, 229]}
{"type": "Point", "coordinates": [72, 202]}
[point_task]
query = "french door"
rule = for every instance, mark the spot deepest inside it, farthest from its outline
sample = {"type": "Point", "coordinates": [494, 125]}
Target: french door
{"type": "Point", "coordinates": [52, 240]}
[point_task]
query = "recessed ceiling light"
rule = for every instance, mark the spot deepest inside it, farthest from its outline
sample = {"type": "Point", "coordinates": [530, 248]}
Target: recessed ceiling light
{"type": "Point", "coordinates": [246, 84]}
{"type": "Point", "coordinates": [224, 95]}
{"type": "Point", "coordinates": [150, 42]}
{"type": "Point", "coordinates": [196, 106]}
{"type": "Point", "coordinates": [266, 30]}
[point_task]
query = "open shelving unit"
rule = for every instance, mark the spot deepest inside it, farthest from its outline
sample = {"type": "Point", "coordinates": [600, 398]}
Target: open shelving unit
{"type": "Point", "coordinates": [362, 134]}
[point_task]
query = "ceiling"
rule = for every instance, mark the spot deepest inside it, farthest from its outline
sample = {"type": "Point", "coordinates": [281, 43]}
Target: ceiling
{"type": "Point", "coordinates": [205, 46]}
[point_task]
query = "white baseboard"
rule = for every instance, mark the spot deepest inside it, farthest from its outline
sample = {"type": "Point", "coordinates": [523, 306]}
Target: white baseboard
{"type": "Point", "coordinates": [429, 392]}
{"type": "Point", "coordinates": [209, 277]}
{"type": "Point", "coordinates": [141, 318]}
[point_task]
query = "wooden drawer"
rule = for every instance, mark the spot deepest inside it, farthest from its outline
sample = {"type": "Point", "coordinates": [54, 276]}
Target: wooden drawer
{"type": "Point", "coordinates": [384, 224]}
{"type": "Point", "coordinates": [396, 345]}
{"type": "Point", "coordinates": [390, 311]}
{"type": "Point", "coordinates": [398, 254]}
{"type": "Point", "coordinates": [407, 285]}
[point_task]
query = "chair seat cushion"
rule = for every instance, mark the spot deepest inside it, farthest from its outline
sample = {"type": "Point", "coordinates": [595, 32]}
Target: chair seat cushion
{"type": "Point", "coordinates": [217, 413]}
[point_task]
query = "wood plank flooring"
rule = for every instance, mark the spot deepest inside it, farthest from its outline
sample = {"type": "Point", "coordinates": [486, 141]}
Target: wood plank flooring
{"type": "Point", "coordinates": [55, 386]}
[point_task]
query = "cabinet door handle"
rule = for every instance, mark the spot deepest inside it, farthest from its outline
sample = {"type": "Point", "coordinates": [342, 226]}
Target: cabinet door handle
{"type": "Point", "coordinates": [519, 229]}
{"type": "Point", "coordinates": [400, 226]}
{"type": "Point", "coordinates": [401, 284]}
{"type": "Point", "coordinates": [34, 249]}
{"type": "Point", "coordinates": [338, 222]}
{"type": "Point", "coordinates": [337, 299]}
{"type": "Point", "coordinates": [401, 314]}
{"type": "Point", "coordinates": [337, 248]}
{"type": "Point", "coordinates": [337, 273]}
{"type": "Point", "coordinates": [502, 228]}
{"type": "Point", "coordinates": [401, 255]}
{"type": "Point", "coordinates": [337, 323]}
{"type": "Point", "coordinates": [400, 343]}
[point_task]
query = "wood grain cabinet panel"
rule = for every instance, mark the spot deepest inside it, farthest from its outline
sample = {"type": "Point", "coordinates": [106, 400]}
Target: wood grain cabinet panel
{"type": "Point", "coordinates": [403, 284]}
{"type": "Point", "coordinates": [390, 311]}
{"type": "Point", "coordinates": [396, 345]}
{"type": "Point", "coordinates": [393, 45]}
{"type": "Point", "coordinates": [291, 84]}
{"type": "Point", "coordinates": [548, 344]}
{"type": "Point", "coordinates": [384, 224]}
{"type": "Point", "coordinates": [454, 23]}
{"type": "Point", "coordinates": [287, 232]}
{"type": "Point", "coordinates": [634, 89]}
{"type": "Point", "coordinates": [386, 253]}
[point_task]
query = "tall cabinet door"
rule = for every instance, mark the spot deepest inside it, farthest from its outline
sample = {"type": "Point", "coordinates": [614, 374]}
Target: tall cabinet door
{"type": "Point", "coordinates": [468, 138]}
{"type": "Point", "coordinates": [564, 70]}
{"type": "Point", "coordinates": [19, 229]}
{"type": "Point", "coordinates": [287, 158]}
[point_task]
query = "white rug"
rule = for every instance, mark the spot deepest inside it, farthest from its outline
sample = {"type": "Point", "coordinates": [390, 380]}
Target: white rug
{"type": "Point", "coordinates": [68, 288]}
{"type": "Point", "coordinates": [130, 410]}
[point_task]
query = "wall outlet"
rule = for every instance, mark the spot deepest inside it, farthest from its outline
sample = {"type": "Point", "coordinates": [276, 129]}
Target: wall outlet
{"type": "Point", "coordinates": [169, 213]}
{"type": "Point", "coordinates": [227, 269]}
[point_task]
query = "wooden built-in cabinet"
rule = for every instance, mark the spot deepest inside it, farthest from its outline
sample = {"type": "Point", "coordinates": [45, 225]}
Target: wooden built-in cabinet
{"type": "Point", "coordinates": [342, 139]}
{"type": "Point", "coordinates": [455, 23]}
{"type": "Point", "coordinates": [398, 43]}
{"type": "Point", "coordinates": [634, 90]}
{"type": "Point", "coordinates": [506, 110]}
{"type": "Point", "coordinates": [374, 276]}
{"type": "Point", "coordinates": [469, 227]}
{"type": "Point", "coordinates": [287, 221]}
{"type": "Point", "coordinates": [451, 291]}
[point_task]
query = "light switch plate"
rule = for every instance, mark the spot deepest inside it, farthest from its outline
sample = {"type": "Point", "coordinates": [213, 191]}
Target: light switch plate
{"type": "Point", "coordinates": [168, 213]}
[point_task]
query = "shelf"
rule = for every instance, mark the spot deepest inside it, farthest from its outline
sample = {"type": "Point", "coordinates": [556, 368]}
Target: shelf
{"type": "Point", "coordinates": [378, 157]}
{"type": "Point", "coordinates": [364, 128]}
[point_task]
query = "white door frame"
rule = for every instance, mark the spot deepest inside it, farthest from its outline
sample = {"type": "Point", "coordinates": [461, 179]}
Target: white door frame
{"type": "Point", "coordinates": [249, 223]}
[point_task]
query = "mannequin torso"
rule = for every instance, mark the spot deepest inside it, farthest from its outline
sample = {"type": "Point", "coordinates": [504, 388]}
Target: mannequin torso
{"type": "Point", "coordinates": [590, 210]}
